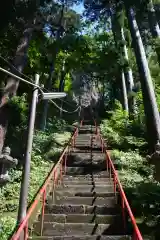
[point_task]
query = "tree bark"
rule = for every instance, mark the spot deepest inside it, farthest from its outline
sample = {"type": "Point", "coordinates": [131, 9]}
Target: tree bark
{"type": "Point", "coordinates": [149, 98]}
{"type": "Point", "coordinates": [124, 93]}
{"type": "Point", "coordinates": [153, 23]}
{"type": "Point", "coordinates": [62, 84]}
{"type": "Point", "coordinates": [12, 84]}
{"type": "Point", "coordinates": [62, 78]}
{"type": "Point", "coordinates": [49, 84]}
{"type": "Point", "coordinates": [154, 26]}
{"type": "Point", "coordinates": [129, 74]}
{"type": "Point", "coordinates": [46, 102]}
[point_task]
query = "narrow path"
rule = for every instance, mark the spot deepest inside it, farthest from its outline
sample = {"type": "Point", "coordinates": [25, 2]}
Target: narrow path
{"type": "Point", "coordinates": [84, 206]}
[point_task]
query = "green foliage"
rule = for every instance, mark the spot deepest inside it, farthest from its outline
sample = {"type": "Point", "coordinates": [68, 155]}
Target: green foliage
{"type": "Point", "coordinates": [18, 125]}
{"type": "Point", "coordinates": [131, 161]}
{"type": "Point", "coordinates": [143, 192]}
{"type": "Point", "coordinates": [46, 148]}
{"type": "Point", "coordinates": [68, 83]}
{"type": "Point", "coordinates": [34, 54]}
{"type": "Point", "coordinates": [19, 107]}
{"type": "Point", "coordinates": [7, 226]}
{"type": "Point", "coordinates": [121, 132]}
{"type": "Point", "coordinates": [134, 171]}
{"type": "Point", "coordinates": [56, 125]}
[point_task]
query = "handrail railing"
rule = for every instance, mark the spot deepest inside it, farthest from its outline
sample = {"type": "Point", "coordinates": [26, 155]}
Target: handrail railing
{"type": "Point", "coordinates": [56, 172]}
{"type": "Point", "coordinates": [125, 205]}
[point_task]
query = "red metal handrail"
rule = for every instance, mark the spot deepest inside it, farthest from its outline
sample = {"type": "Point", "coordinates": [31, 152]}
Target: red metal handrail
{"type": "Point", "coordinates": [23, 228]}
{"type": "Point", "coordinates": [110, 167]}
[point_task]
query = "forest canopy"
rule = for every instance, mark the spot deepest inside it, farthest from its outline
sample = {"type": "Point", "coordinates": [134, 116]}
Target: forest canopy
{"type": "Point", "coordinates": [106, 59]}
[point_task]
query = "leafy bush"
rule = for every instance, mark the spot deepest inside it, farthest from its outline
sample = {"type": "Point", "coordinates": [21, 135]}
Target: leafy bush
{"type": "Point", "coordinates": [131, 161]}
{"type": "Point", "coordinates": [127, 138]}
{"type": "Point", "coordinates": [16, 132]}
{"type": "Point", "coordinates": [45, 148]}
{"type": "Point", "coordinates": [56, 125]}
{"type": "Point", "coordinates": [122, 133]}
{"type": "Point", "coordinates": [143, 192]}
{"type": "Point", "coordinates": [7, 225]}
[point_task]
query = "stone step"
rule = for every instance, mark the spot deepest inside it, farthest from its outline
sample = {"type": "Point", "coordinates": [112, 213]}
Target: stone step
{"type": "Point", "coordinates": [87, 145]}
{"type": "Point", "coordinates": [61, 229]}
{"type": "Point", "coordinates": [81, 218]}
{"type": "Point", "coordinates": [69, 193]}
{"type": "Point", "coordinates": [81, 209]}
{"type": "Point", "coordinates": [101, 164]}
{"type": "Point", "coordinates": [83, 138]}
{"type": "Point", "coordinates": [89, 178]}
{"type": "Point", "coordinates": [87, 167]}
{"type": "Point", "coordinates": [94, 154]}
{"type": "Point", "coordinates": [83, 141]}
{"type": "Point", "coordinates": [85, 171]}
{"type": "Point", "coordinates": [86, 131]}
{"type": "Point", "coordinates": [85, 150]}
{"type": "Point", "coordinates": [82, 237]}
{"type": "Point", "coordinates": [88, 188]}
{"type": "Point", "coordinates": [87, 139]}
{"type": "Point", "coordinates": [87, 142]}
{"type": "Point", "coordinates": [89, 134]}
{"type": "Point", "coordinates": [110, 201]}
{"type": "Point", "coordinates": [86, 157]}
{"type": "Point", "coordinates": [105, 181]}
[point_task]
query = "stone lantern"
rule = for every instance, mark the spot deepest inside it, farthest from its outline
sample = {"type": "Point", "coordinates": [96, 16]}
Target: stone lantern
{"type": "Point", "coordinates": [6, 162]}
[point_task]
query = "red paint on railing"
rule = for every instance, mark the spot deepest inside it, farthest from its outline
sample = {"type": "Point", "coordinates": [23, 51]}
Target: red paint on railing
{"type": "Point", "coordinates": [23, 228]}
{"type": "Point", "coordinates": [125, 205]}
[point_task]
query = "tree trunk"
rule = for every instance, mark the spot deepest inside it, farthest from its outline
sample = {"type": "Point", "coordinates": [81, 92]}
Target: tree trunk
{"type": "Point", "coordinates": [62, 86]}
{"type": "Point", "coordinates": [46, 102]}
{"type": "Point", "coordinates": [129, 74]}
{"type": "Point", "coordinates": [12, 84]}
{"type": "Point", "coordinates": [62, 78]}
{"type": "Point", "coordinates": [154, 26]}
{"type": "Point", "coordinates": [149, 98]}
{"type": "Point", "coordinates": [153, 23]}
{"type": "Point", "coordinates": [124, 93]}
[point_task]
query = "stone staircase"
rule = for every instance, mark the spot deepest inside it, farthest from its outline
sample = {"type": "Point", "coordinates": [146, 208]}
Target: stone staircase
{"type": "Point", "coordinates": [84, 206]}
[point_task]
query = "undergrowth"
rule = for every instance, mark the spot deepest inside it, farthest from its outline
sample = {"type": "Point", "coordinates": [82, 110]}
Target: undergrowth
{"type": "Point", "coordinates": [122, 133]}
{"type": "Point", "coordinates": [127, 141]}
{"type": "Point", "coordinates": [46, 149]}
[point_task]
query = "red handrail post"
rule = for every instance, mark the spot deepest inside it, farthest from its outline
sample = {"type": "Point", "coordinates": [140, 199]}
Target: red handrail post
{"type": "Point", "coordinates": [91, 142]}
{"type": "Point", "coordinates": [22, 231]}
{"type": "Point", "coordinates": [107, 163]}
{"type": "Point", "coordinates": [114, 182]}
{"type": "Point", "coordinates": [65, 163]}
{"type": "Point", "coordinates": [42, 213]}
{"type": "Point", "coordinates": [134, 236]}
{"type": "Point", "coordinates": [61, 170]}
{"type": "Point", "coordinates": [102, 145]}
{"type": "Point", "coordinates": [74, 141]}
{"type": "Point", "coordinates": [69, 150]}
{"type": "Point", "coordinates": [95, 127]}
{"type": "Point", "coordinates": [125, 205]}
{"type": "Point", "coordinates": [26, 231]}
{"type": "Point", "coordinates": [123, 214]}
{"type": "Point", "coordinates": [72, 144]}
{"type": "Point", "coordinates": [110, 170]}
{"type": "Point", "coordinates": [53, 186]}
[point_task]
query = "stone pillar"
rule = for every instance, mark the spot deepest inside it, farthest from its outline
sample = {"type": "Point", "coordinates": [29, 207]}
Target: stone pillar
{"type": "Point", "coordinates": [6, 162]}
